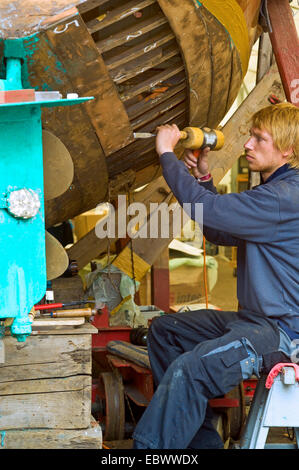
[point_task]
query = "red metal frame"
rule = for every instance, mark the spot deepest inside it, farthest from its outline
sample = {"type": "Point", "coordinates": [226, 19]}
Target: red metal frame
{"type": "Point", "coordinates": [285, 44]}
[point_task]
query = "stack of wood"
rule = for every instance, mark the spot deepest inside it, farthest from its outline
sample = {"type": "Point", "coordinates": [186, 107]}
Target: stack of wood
{"type": "Point", "coordinates": [45, 390]}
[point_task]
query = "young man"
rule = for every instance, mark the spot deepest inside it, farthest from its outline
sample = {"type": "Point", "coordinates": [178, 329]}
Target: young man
{"type": "Point", "coordinates": [196, 356]}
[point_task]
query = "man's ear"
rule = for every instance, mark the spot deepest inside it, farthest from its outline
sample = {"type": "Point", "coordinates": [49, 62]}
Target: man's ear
{"type": "Point", "coordinates": [287, 153]}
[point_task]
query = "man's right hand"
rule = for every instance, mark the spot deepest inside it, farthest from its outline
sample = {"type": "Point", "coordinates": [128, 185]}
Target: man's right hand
{"type": "Point", "coordinates": [199, 165]}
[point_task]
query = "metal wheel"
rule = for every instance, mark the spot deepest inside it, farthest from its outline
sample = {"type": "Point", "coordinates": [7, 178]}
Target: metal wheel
{"type": "Point", "coordinates": [237, 416]}
{"type": "Point", "coordinates": [112, 415]}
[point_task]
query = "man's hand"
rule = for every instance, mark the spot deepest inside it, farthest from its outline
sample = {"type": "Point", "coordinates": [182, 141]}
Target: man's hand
{"type": "Point", "coordinates": [167, 138]}
{"type": "Point", "coordinates": [199, 165]}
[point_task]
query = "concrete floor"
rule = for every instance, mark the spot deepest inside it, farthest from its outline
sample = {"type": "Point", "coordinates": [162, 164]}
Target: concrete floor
{"type": "Point", "coordinates": [223, 296]}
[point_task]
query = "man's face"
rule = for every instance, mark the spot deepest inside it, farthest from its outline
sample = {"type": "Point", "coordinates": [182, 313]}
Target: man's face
{"type": "Point", "coordinates": [261, 153]}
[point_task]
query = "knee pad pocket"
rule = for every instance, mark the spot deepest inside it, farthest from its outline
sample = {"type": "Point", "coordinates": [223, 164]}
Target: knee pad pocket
{"type": "Point", "coordinates": [251, 365]}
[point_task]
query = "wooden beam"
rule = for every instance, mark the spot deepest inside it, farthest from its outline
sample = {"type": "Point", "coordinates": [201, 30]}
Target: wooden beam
{"type": "Point", "coordinates": [236, 129]}
{"type": "Point", "coordinates": [90, 246]}
{"type": "Point", "coordinates": [284, 39]}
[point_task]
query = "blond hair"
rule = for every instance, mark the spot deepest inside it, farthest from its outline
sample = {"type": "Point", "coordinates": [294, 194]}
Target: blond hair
{"type": "Point", "coordinates": [282, 122]}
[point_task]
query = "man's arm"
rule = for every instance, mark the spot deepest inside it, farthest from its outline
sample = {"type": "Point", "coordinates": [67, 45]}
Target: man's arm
{"type": "Point", "coordinates": [250, 215]}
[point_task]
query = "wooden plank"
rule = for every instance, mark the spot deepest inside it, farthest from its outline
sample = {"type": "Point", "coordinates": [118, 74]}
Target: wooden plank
{"type": "Point", "coordinates": [147, 155]}
{"type": "Point", "coordinates": [73, 126]}
{"type": "Point", "coordinates": [220, 57]}
{"type": "Point", "coordinates": [184, 20]}
{"type": "Point", "coordinates": [235, 79]}
{"type": "Point", "coordinates": [162, 108]}
{"type": "Point", "coordinates": [170, 115]}
{"type": "Point", "coordinates": [149, 44]}
{"type": "Point", "coordinates": [132, 155]}
{"type": "Point", "coordinates": [131, 33]}
{"type": "Point", "coordinates": [237, 128]}
{"type": "Point", "coordinates": [44, 408]}
{"type": "Point", "coordinates": [76, 330]}
{"type": "Point", "coordinates": [150, 60]}
{"type": "Point", "coordinates": [89, 438]}
{"type": "Point", "coordinates": [91, 78]}
{"type": "Point", "coordinates": [171, 69]}
{"type": "Point", "coordinates": [145, 105]}
{"type": "Point", "coordinates": [24, 387]}
{"type": "Point", "coordinates": [285, 43]}
{"type": "Point", "coordinates": [90, 246]}
{"type": "Point", "coordinates": [90, 5]}
{"type": "Point", "coordinates": [40, 322]}
{"type": "Point", "coordinates": [117, 14]}
{"type": "Point", "coordinates": [136, 66]}
{"type": "Point", "coordinates": [46, 356]}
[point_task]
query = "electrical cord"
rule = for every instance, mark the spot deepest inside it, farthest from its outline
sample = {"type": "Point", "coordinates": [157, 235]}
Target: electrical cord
{"type": "Point", "coordinates": [205, 273]}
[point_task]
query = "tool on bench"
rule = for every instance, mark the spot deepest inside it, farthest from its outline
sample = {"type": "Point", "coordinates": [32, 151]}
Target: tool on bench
{"type": "Point", "coordinates": [60, 305]}
{"type": "Point", "coordinates": [76, 312]}
{"type": "Point", "coordinates": [194, 138]}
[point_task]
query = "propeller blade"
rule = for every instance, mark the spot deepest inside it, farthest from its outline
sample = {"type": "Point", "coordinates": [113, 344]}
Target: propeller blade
{"type": "Point", "coordinates": [58, 166]}
{"type": "Point", "coordinates": [56, 257]}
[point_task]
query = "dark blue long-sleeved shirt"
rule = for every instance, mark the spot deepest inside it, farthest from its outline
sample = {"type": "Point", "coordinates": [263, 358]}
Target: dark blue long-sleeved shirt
{"type": "Point", "coordinates": [264, 224]}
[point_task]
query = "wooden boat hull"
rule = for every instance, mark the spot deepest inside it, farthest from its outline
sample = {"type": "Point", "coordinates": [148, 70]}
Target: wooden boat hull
{"type": "Point", "coordinates": [146, 63]}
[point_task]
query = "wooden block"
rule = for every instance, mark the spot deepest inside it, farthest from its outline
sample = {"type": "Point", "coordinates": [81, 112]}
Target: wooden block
{"type": "Point", "coordinates": [46, 356]}
{"type": "Point", "coordinates": [46, 403]}
{"type": "Point", "coordinates": [45, 382]}
{"type": "Point", "coordinates": [89, 438]}
{"type": "Point", "coordinates": [17, 96]}
{"type": "Point", "coordinates": [54, 322]}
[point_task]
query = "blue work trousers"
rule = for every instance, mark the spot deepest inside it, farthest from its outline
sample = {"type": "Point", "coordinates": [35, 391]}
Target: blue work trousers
{"type": "Point", "coordinates": [196, 356]}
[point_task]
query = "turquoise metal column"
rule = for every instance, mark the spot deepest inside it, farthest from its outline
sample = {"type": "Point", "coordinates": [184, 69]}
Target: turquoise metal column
{"type": "Point", "coordinates": [23, 276]}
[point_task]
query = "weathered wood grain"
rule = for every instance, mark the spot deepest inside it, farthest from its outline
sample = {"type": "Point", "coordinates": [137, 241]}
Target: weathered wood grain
{"type": "Point", "coordinates": [220, 57]}
{"type": "Point", "coordinates": [151, 43]}
{"type": "Point", "coordinates": [46, 403]}
{"type": "Point", "coordinates": [86, 70]}
{"type": "Point", "coordinates": [190, 33]}
{"type": "Point", "coordinates": [89, 438]}
{"type": "Point", "coordinates": [129, 34]}
{"type": "Point", "coordinates": [46, 356]}
{"type": "Point", "coordinates": [117, 14]}
{"type": "Point", "coordinates": [90, 246]}
{"type": "Point", "coordinates": [26, 17]}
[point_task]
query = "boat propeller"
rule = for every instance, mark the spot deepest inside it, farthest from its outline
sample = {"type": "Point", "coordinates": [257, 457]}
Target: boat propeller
{"type": "Point", "coordinates": [58, 176]}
